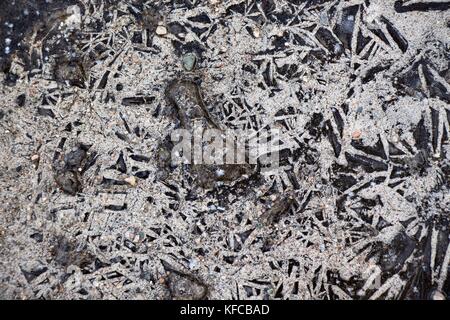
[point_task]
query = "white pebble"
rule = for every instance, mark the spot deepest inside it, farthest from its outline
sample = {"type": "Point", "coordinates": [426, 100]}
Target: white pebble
{"type": "Point", "coordinates": [161, 30]}
{"type": "Point", "coordinates": [437, 295]}
{"type": "Point", "coordinates": [256, 33]}
{"type": "Point", "coordinates": [131, 181]}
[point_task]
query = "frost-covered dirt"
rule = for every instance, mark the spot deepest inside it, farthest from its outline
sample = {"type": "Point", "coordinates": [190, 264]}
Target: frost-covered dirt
{"type": "Point", "coordinates": [91, 208]}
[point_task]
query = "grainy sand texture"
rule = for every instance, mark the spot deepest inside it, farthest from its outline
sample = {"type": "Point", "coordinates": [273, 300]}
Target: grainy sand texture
{"type": "Point", "coordinates": [91, 206]}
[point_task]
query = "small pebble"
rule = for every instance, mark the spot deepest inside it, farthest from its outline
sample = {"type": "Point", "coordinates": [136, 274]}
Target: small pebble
{"type": "Point", "coordinates": [161, 30]}
{"type": "Point", "coordinates": [35, 157]}
{"type": "Point", "coordinates": [189, 61]}
{"type": "Point", "coordinates": [356, 135]}
{"type": "Point", "coordinates": [437, 295]}
{"type": "Point", "coordinates": [256, 33]}
{"type": "Point", "coordinates": [131, 181]}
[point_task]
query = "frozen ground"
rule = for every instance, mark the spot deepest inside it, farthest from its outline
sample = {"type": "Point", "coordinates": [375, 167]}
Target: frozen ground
{"type": "Point", "coordinates": [358, 209]}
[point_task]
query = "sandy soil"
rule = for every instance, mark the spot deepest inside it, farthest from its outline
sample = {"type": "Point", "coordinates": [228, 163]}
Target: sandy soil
{"type": "Point", "coordinates": [91, 208]}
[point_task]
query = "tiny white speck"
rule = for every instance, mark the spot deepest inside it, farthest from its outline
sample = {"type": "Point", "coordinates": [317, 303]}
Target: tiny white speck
{"type": "Point", "coordinates": [192, 263]}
